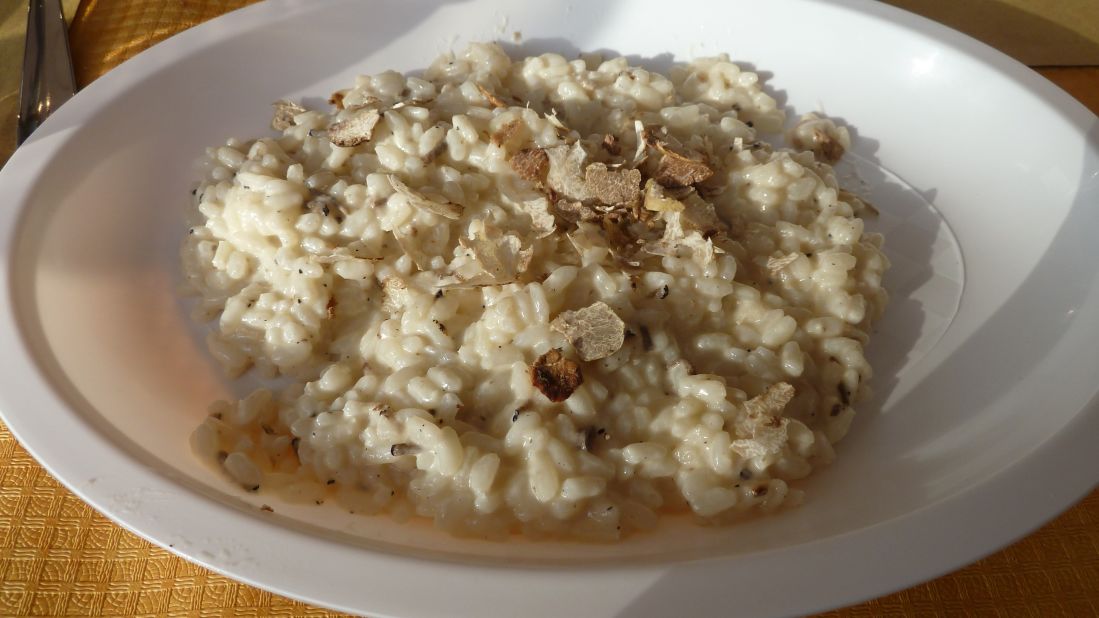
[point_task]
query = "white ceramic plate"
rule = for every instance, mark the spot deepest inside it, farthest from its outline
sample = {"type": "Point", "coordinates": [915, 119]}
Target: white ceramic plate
{"type": "Point", "coordinates": [984, 423]}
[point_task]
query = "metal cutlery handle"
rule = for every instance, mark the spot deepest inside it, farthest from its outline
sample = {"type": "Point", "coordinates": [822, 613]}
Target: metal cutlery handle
{"type": "Point", "coordinates": [47, 66]}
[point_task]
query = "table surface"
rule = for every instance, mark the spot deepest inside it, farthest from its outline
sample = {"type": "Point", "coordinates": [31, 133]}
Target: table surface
{"type": "Point", "coordinates": [58, 556]}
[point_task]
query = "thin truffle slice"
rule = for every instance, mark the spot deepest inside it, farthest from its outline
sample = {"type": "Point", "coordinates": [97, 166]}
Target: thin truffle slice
{"type": "Point", "coordinates": [443, 208]}
{"type": "Point", "coordinates": [412, 250]}
{"type": "Point", "coordinates": [565, 175]}
{"type": "Point", "coordinates": [699, 215]}
{"type": "Point", "coordinates": [285, 111]}
{"type": "Point", "coordinates": [616, 187]}
{"type": "Point", "coordinates": [568, 177]}
{"type": "Point", "coordinates": [574, 212]}
{"type": "Point", "coordinates": [678, 170]}
{"type": "Point", "coordinates": [502, 256]}
{"type": "Point", "coordinates": [763, 430]}
{"type": "Point", "coordinates": [555, 376]}
{"type": "Point", "coordinates": [691, 228]}
{"type": "Point", "coordinates": [595, 331]}
{"type": "Point", "coordinates": [770, 402]}
{"type": "Point", "coordinates": [531, 164]}
{"type": "Point", "coordinates": [542, 221]}
{"type": "Point", "coordinates": [355, 130]}
{"type": "Point", "coordinates": [622, 244]}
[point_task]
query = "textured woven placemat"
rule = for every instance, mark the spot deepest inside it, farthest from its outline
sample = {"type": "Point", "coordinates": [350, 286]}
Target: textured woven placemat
{"type": "Point", "coordinates": [60, 557]}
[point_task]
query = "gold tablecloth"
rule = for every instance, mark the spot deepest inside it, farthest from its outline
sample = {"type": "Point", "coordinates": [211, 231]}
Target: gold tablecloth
{"type": "Point", "coordinates": [60, 557]}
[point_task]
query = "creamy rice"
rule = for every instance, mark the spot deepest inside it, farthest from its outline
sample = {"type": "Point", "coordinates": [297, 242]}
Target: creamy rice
{"type": "Point", "coordinates": [405, 285]}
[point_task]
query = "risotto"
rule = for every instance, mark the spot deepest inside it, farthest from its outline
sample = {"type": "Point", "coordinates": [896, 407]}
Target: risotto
{"type": "Point", "coordinates": [546, 297]}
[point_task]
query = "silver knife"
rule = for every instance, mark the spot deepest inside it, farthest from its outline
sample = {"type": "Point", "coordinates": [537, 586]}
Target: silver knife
{"type": "Point", "coordinates": [48, 79]}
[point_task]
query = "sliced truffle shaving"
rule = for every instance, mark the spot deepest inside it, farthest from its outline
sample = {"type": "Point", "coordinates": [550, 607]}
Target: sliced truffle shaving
{"type": "Point", "coordinates": [412, 250]}
{"type": "Point", "coordinates": [617, 187]}
{"type": "Point", "coordinates": [565, 175]}
{"type": "Point", "coordinates": [776, 264]}
{"type": "Point", "coordinates": [507, 133]}
{"type": "Point", "coordinates": [657, 200]}
{"type": "Point", "coordinates": [769, 442]}
{"type": "Point", "coordinates": [542, 221]}
{"type": "Point", "coordinates": [356, 129]}
{"type": "Point", "coordinates": [702, 249]}
{"type": "Point", "coordinates": [619, 240]}
{"type": "Point", "coordinates": [492, 99]}
{"type": "Point", "coordinates": [821, 136]}
{"type": "Point", "coordinates": [555, 376]}
{"type": "Point", "coordinates": [678, 170]}
{"type": "Point", "coordinates": [691, 229]}
{"type": "Point", "coordinates": [763, 430]}
{"type": "Point", "coordinates": [770, 402]}
{"type": "Point", "coordinates": [501, 256]}
{"type": "Point", "coordinates": [395, 295]}
{"type": "Point", "coordinates": [531, 164]}
{"type": "Point", "coordinates": [569, 178]}
{"type": "Point", "coordinates": [574, 212]}
{"type": "Point", "coordinates": [285, 111]}
{"type": "Point", "coordinates": [595, 331]}
{"type": "Point", "coordinates": [699, 215]}
{"type": "Point", "coordinates": [440, 207]}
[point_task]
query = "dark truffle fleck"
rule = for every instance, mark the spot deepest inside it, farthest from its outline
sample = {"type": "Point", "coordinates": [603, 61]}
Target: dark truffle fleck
{"type": "Point", "coordinates": [555, 376]}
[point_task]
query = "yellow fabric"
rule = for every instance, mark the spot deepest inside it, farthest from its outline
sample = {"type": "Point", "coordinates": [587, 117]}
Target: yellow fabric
{"type": "Point", "coordinates": [60, 557]}
{"type": "Point", "coordinates": [106, 32]}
